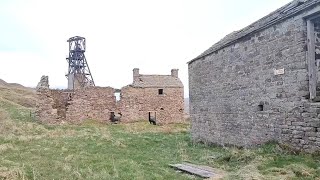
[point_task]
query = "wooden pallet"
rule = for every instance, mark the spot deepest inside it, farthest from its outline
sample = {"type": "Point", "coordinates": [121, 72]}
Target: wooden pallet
{"type": "Point", "coordinates": [201, 171]}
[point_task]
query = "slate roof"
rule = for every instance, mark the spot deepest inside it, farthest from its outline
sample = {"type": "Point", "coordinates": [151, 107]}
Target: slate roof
{"type": "Point", "coordinates": [284, 12]}
{"type": "Point", "coordinates": [157, 81]}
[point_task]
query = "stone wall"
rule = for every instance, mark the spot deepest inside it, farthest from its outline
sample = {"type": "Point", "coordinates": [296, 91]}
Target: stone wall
{"type": "Point", "coordinates": [55, 106]}
{"type": "Point", "coordinates": [131, 104]}
{"type": "Point", "coordinates": [136, 103]}
{"type": "Point", "coordinates": [91, 103]}
{"type": "Point", "coordinates": [60, 102]}
{"type": "Point", "coordinates": [44, 107]}
{"type": "Point", "coordinates": [238, 97]}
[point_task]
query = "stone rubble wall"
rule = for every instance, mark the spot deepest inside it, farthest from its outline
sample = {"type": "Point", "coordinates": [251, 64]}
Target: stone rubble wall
{"type": "Point", "coordinates": [56, 106]}
{"type": "Point", "coordinates": [300, 127]}
{"type": "Point", "coordinates": [131, 104]}
{"type": "Point", "coordinates": [60, 99]}
{"type": "Point", "coordinates": [45, 108]}
{"type": "Point", "coordinates": [237, 99]}
{"type": "Point", "coordinates": [97, 103]}
{"type": "Point", "coordinates": [43, 83]}
{"type": "Point", "coordinates": [94, 103]}
{"type": "Point", "coordinates": [136, 103]}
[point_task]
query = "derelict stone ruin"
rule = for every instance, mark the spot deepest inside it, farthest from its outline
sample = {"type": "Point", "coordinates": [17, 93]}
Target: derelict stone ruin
{"type": "Point", "coordinates": [149, 97]}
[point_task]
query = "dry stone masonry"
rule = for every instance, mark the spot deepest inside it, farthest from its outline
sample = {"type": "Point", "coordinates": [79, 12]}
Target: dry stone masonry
{"type": "Point", "coordinates": [94, 103]}
{"type": "Point", "coordinates": [149, 96]}
{"type": "Point", "coordinates": [255, 85]}
{"type": "Point", "coordinates": [43, 84]}
{"type": "Point", "coordinates": [159, 96]}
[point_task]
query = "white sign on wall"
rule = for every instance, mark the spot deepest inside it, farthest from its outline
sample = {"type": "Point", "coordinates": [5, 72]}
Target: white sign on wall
{"type": "Point", "coordinates": [278, 71]}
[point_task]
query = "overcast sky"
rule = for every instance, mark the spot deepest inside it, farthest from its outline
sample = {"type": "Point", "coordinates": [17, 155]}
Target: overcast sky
{"type": "Point", "coordinates": [153, 35]}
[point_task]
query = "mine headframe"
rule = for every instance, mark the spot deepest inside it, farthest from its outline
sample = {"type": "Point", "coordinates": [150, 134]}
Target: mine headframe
{"type": "Point", "coordinates": [79, 74]}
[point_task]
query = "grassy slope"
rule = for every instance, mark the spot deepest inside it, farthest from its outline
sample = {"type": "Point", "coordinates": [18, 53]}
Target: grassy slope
{"type": "Point", "coordinates": [30, 150]}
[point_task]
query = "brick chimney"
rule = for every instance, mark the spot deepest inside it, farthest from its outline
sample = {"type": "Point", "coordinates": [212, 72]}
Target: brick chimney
{"type": "Point", "coordinates": [174, 73]}
{"type": "Point", "coordinates": [136, 74]}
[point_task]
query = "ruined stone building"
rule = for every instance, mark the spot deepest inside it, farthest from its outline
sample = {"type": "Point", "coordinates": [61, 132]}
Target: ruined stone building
{"type": "Point", "coordinates": [261, 83]}
{"type": "Point", "coordinates": [153, 96]}
{"type": "Point", "coordinates": [89, 103]}
{"type": "Point", "coordinates": [149, 96]}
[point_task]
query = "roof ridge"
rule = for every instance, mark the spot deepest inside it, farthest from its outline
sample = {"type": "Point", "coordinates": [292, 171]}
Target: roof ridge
{"type": "Point", "coordinates": [157, 81]}
{"type": "Point", "coordinates": [278, 15]}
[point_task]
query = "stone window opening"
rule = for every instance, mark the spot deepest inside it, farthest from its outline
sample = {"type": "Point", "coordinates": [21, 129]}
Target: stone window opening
{"type": "Point", "coordinates": [117, 94]}
{"type": "Point", "coordinates": [160, 91]}
{"type": "Point", "coordinates": [260, 107]}
{"type": "Point", "coordinates": [153, 118]}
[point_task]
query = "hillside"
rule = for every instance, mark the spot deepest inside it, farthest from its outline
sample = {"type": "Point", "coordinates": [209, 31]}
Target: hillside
{"type": "Point", "coordinates": [30, 150]}
{"type": "Point", "coordinates": [12, 93]}
{"type": "Point", "coordinates": [11, 85]}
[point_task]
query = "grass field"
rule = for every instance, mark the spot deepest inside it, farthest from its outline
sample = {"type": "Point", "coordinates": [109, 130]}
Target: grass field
{"type": "Point", "coordinates": [29, 150]}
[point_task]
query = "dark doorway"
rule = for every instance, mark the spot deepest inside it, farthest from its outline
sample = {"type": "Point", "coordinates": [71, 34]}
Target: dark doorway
{"type": "Point", "coordinates": [112, 115]}
{"type": "Point", "coordinates": [153, 118]}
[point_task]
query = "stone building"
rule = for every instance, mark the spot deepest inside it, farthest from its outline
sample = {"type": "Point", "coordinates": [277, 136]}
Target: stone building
{"type": "Point", "coordinates": [90, 103]}
{"type": "Point", "coordinates": [261, 83]}
{"type": "Point", "coordinates": [153, 96]}
{"type": "Point", "coordinates": [149, 96]}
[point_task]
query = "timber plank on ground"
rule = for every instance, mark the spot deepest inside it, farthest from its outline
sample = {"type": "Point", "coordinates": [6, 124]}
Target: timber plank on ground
{"type": "Point", "coordinates": [202, 171]}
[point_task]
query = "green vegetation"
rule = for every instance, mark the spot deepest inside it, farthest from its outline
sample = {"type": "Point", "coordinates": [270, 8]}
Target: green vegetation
{"type": "Point", "coordinates": [30, 150]}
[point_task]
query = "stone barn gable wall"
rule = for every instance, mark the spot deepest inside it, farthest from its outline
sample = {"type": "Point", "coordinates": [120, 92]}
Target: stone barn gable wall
{"type": "Point", "coordinates": [137, 102]}
{"type": "Point", "coordinates": [236, 98]}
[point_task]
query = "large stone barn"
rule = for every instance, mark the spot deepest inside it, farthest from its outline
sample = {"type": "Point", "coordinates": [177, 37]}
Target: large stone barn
{"type": "Point", "coordinates": [261, 83]}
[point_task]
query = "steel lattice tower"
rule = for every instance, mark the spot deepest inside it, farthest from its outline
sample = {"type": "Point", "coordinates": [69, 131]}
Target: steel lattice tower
{"type": "Point", "coordinates": [79, 74]}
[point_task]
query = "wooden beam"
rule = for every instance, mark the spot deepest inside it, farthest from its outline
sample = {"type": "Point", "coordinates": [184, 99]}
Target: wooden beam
{"type": "Point", "coordinates": [194, 169]}
{"type": "Point", "coordinates": [311, 60]}
{"type": "Point", "coordinates": [314, 16]}
{"type": "Point", "coordinates": [312, 13]}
